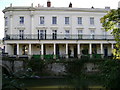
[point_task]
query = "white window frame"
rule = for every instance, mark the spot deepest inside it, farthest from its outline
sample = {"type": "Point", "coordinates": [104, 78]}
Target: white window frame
{"type": "Point", "coordinates": [67, 34]}
{"type": "Point", "coordinates": [92, 20]}
{"type": "Point", "coordinates": [67, 20]}
{"type": "Point", "coordinates": [42, 20]}
{"type": "Point", "coordinates": [21, 20]}
{"type": "Point", "coordinates": [79, 20]}
{"type": "Point", "coordinates": [54, 20]}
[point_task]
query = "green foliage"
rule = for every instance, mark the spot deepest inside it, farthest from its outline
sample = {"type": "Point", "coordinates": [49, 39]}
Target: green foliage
{"type": "Point", "coordinates": [74, 68]}
{"type": "Point", "coordinates": [110, 73]}
{"type": "Point", "coordinates": [37, 65]}
{"type": "Point", "coordinates": [111, 21]}
{"type": "Point", "coordinates": [11, 82]}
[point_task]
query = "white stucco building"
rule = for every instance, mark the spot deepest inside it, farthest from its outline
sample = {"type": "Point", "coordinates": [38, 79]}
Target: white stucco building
{"type": "Point", "coordinates": [64, 32]}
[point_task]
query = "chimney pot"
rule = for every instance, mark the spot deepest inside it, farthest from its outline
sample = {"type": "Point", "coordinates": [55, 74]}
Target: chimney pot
{"type": "Point", "coordinates": [70, 5]}
{"type": "Point", "coordinates": [48, 3]}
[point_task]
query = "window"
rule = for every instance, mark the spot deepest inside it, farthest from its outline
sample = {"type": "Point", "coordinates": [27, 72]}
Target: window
{"type": "Point", "coordinates": [21, 20]}
{"type": "Point", "coordinates": [91, 20]}
{"type": "Point", "coordinates": [54, 32]}
{"type": "Point", "coordinates": [66, 20]}
{"type": "Point", "coordinates": [54, 20]}
{"type": "Point", "coordinates": [92, 34]}
{"type": "Point", "coordinates": [41, 20]}
{"type": "Point", "coordinates": [80, 32]}
{"type": "Point", "coordinates": [104, 34]}
{"type": "Point", "coordinates": [6, 21]}
{"type": "Point", "coordinates": [80, 20]}
{"type": "Point", "coordinates": [41, 34]}
{"type": "Point", "coordinates": [21, 34]}
{"type": "Point", "coordinates": [67, 34]}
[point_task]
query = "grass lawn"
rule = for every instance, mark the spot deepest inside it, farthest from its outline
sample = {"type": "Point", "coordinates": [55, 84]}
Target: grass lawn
{"type": "Point", "coordinates": [57, 84]}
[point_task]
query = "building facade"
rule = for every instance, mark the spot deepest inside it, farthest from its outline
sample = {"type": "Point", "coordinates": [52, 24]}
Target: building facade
{"type": "Point", "coordinates": [57, 32]}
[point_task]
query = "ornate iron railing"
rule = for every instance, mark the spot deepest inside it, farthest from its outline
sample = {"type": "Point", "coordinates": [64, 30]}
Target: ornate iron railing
{"type": "Point", "coordinates": [58, 37]}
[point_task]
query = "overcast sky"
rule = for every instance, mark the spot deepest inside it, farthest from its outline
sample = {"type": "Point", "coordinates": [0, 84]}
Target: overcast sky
{"type": "Point", "coordinates": [113, 4]}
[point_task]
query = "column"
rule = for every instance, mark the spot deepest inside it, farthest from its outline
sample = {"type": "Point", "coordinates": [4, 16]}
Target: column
{"type": "Point", "coordinates": [29, 51]}
{"type": "Point", "coordinates": [54, 51]}
{"type": "Point", "coordinates": [112, 47]}
{"type": "Point", "coordinates": [78, 46]}
{"type": "Point", "coordinates": [101, 45]}
{"type": "Point", "coordinates": [18, 49]}
{"type": "Point", "coordinates": [66, 50]}
{"type": "Point", "coordinates": [90, 50]}
{"type": "Point", "coordinates": [6, 50]}
{"type": "Point", "coordinates": [42, 57]}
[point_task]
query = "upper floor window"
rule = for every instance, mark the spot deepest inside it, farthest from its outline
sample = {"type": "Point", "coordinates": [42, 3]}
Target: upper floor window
{"type": "Point", "coordinates": [67, 34]}
{"type": "Point", "coordinates": [66, 20]}
{"type": "Point", "coordinates": [21, 20]}
{"type": "Point", "coordinates": [92, 32]}
{"type": "Point", "coordinates": [80, 31]}
{"type": "Point", "coordinates": [54, 20]}
{"type": "Point", "coordinates": [42, 20]}
{"type": "Point", "coordinates": [91, 20]}
{"type": "Point", "coordinates": [79, 20]}
{"type": "Point", "coordinates": [6, 21]}
{"type": "Point", "coordinates": [21, 34]}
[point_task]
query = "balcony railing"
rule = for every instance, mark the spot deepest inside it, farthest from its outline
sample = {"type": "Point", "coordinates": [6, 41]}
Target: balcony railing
{"type": "Point", "coordinates": [58, 37]}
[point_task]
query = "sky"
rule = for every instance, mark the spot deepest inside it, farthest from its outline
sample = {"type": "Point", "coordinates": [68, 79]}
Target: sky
{"type": "Point", "coordinates": [113, 4]}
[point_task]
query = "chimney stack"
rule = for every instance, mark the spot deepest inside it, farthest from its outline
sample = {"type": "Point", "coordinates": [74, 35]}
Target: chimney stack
{"type": "Point", "coordinates": [70, 5]}
{"type": "Point", "coordinates": [48, 3]}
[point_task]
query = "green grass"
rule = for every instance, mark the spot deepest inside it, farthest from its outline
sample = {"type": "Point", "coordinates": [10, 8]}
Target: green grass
{"type": "Point", "coordinates": [58, 84]}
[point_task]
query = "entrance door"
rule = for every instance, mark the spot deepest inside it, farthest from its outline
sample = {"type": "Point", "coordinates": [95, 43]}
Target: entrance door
{"type": "Point", "coordinates": [44, 47]}
{"type": "Point", "coordinates": [75, 51]}
{"type": "Point", "coordinates": [57, 49]}
{"type": "Point", "coordinates": [15, 49]}
{"type": "Point", "coordinates": [105, 51]}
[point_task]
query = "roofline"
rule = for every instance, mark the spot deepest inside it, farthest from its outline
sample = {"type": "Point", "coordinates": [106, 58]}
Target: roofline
{"type": "Point", "coordinates": [54, 9]}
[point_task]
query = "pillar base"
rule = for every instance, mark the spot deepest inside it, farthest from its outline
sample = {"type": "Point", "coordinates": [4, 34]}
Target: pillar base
{"type": "Point", "coordinates": [67, 56]}
{"type": "Point", "coordinates": [102, 56]}
{"type": "Point", "coordinates": [17, 56]}
{"type": "Point", "coordinates": [90, 55]}
{"type": "Point", "coordinates": [79, 56]}
{"type": "Point", "coordinates": [29, 57]}
{"type": "Point", "coordinates": [42, 57]}
{"type": "Point", "coordinates": [54, 57]}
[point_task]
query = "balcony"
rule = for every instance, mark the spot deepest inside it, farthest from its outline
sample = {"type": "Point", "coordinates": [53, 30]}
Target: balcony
{"type": "Point", "coordinates": [58, 37]}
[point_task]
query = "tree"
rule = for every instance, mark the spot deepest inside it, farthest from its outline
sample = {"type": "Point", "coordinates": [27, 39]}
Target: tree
{"type": "Point", "coordinates": [111, 21]}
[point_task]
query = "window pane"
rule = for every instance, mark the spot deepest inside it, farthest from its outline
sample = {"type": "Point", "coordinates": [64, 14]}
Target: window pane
{"type": "Point", "coordinates": [54, 20]}
{"type": "Point", "coordinates": [67, 34]}
{"type": "Point", "coordinates": [21, 20]}
{"type": "Point", "coordinates": [80, 31]}
{"type": "Point", "coordinates": [79, 20]}
{"type": "Point", "coordinates": [92, 31]}
{"type": "Point", "coordinates": [91, 20]}
{"type": "Point", "coordinates": [41, 20]}
{"type": "Point", "coordinates": [66, 20]}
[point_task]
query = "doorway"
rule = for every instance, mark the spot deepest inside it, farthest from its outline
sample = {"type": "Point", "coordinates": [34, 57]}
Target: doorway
{"type": "Point", "coordinates": [105, 51]}
{"type": "Point", "coordinates": [75, 51]}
